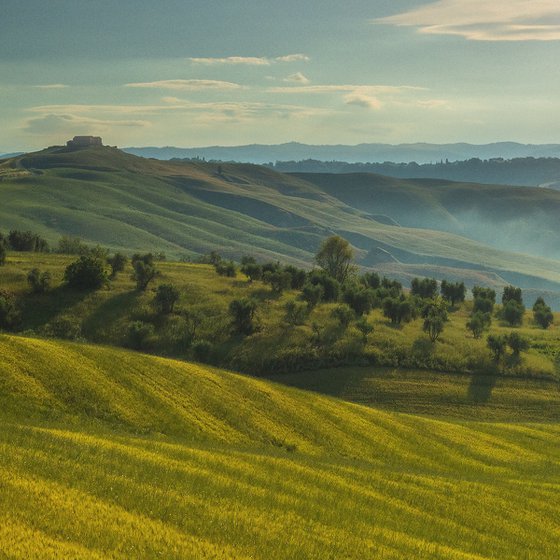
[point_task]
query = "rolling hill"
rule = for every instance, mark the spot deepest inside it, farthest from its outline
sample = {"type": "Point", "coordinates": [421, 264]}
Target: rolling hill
{"type": "Point", "coordinates": [186, 209]}
{"type": "Point", "coordinates": [112, 454]}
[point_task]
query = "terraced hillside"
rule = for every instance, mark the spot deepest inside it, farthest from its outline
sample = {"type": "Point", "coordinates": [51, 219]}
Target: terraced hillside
{"type": "Point", "coordinates": [111, 454]}
{"type": "Point", "coordinates": [186, 209]}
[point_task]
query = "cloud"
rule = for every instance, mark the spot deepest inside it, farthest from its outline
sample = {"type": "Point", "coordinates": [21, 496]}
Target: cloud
{"type": "Point", "coordinates": [72, 124]}
{"type": "Point", "coordinates": [188, 85]}
{"type": "Point", "coordinates": [349, 88]}
{"type": "Point", "coordinates": [484, 20]}
{"type": "Point", "coordinates": [362, 100]}
{"type": "Point", "coordinates": [250, 60]}
{"type": "Point", "coordinates": [297, 78]}
{"type": "Point", "coordinates": [51, 86]}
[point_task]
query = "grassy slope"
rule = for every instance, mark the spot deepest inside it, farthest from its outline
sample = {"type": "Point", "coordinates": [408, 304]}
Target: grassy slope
{"type": "Point", "coordinates": [107, 453]}
{"type": "Point", "coordinates": [104, 316]}
{"type": "Point", "coordinates": [124, 202]}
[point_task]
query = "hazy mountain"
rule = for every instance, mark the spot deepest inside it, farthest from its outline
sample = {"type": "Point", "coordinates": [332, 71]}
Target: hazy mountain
{"type": "Point", "coordinates": [420, 152]}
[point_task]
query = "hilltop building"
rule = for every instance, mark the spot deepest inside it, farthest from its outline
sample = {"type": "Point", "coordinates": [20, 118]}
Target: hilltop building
{"type": "Point", "coordinates": [84, 141]}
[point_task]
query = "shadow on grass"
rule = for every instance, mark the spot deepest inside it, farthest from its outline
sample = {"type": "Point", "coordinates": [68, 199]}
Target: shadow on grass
{"type": "Point", "coordinates": [38, 310]}
{"type": "Point", "coordinates": [109, 312]}
{"type": "Point", "coordinates": [481, 387]}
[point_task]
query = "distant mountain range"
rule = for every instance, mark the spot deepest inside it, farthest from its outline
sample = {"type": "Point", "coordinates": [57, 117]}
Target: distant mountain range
{"type": "Point", "coordinates": [294, 151]}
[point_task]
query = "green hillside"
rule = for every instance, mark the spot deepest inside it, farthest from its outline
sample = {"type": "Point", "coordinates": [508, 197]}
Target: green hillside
{"type": "Point", "coordinates": [186, 209]}
{"type": "Point", "coordinates": [112, 454]}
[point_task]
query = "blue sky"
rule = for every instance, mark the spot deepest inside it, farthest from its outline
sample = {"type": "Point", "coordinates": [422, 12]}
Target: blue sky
{"type": "Point", "coordinates": [193, 73]}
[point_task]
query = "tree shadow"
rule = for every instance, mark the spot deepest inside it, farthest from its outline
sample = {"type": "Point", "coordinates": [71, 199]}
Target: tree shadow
{"type": "Point", "coordinates": [40, 309]}
{"type": "Point", "coordinates": [481, 387]}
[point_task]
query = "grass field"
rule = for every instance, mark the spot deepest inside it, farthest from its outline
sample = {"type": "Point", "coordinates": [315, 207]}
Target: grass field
{"type": "Point", "coordinates": [106, 453]}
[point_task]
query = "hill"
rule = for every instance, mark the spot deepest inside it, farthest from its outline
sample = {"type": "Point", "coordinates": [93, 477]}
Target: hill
{"type": "Point", "coordinates": [187, 209]}
{"type": "Point", "coordinates": [107, 453]}
{"type": "Point", "coordinates": [294, 151]}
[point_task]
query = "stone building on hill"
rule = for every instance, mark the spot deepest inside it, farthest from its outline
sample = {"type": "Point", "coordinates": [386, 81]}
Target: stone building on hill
{"type": "Point", "coordinates": [83, 141]}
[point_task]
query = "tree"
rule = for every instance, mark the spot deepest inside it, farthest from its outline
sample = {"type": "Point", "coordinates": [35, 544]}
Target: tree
{"type": "Point", "coordinates": [140, 334]}
{"type": "Point", "coordinates": [226, 268]}
{"type": "Point", "coordinates": [296, 312]}
{"type": "Point", "coordinates": [425, 288]}
{"type": "Point", "coordinates": [453, 292]}
{"type": "Point", "coordinates": [335, 257]}
{"type": "Point", "coordinates": [40, 282]}
{"type": "Point", "coordinates": [144, 270]}
{"type": "Point", "coordinates": [511, 293]}
{"type": "Point", "coordinates": [298, 276]}
{"type": "Point", "coordinates": [312, 294]}
{"type": "Point", "coordinates": [512, 312]}
{"type": "Point", "coordinates": [371, 280]}
{"type": "Point", "coordinates": [331, 286]}
{"type": "Point", "coordinates": [242, 313]}
{"type": "Point", "coordinates": [478, 323]}
{"type": "Point", "coordinates": [27, 241]}
{"type": "Point", "coordinates": [542, 314]}
{"type": "Point", "coordinates": [497, 346]}
{"type": "Point", "coordinates": [517, 343]}
{"type": "Point", "coordinates": [165, 299]}
{"type": "Point", "coordinates": [252, 270]}
{"type": "Point", "coordinates": [279, 280]}
{"type": "Point", "coordinates": [398, 310]}
{"type": "Point", "coordinates": [117, 263]}
{"type": "Point", "coordinates": [87, 273]}
{"type": "Point", "coordinates": [365, 328]}
{"type": "Point", "coordinates": [435, 317]}
{"type": "Point", "coordinates": [360, 299]}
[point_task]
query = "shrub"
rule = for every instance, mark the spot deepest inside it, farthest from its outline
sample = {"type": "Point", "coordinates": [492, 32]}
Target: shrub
{"type": "Point", "coordinates": [425, 288]}
{"type": "Point", "coordinates": [140, 334]}
{"type": "Point", "coordinates": [512, 312]}
{"type": "Point", "coordinates": [279, 280]}
{"type": "Point", "coordinates": [27, 241]}
{"type": "Point", "coordinates": [483, 305]}
{"type": "Point", "coordinates": [242, 312]}
{"type": "Point", "coordinates": [497, 346]}
{"type": "Point", "coordinates": [371, 280]}
{"type": "Point", "coordinates": [398, 310]}
{"type": "Point", "coordinates": [224, 268]}
{"type": "Point", "coordinates": [68, 328]}
{"type": "Point", "coordinates": [117, 263]}
{"type": "Point", "coordinates": [9, 313]}
{"type": "Point", "coordinates": [144, 270]}
{"type": "Point", "coordinates": [201, 350]}
{"type": "Point", "coordinates": [296, 312]}
{"type": "Point", "coordinates": [165, 299]}
{"type": "Point", "coordinates": [252, 270]}
{"type": "Point", "coordinates": [331, 287]}
{"type": "Point", "coordinates": [312, 294]}
{"type": "Point", "coordinates": [87, 273]}
{"type": "Point", "coordinates": [517, 343]}
{"type": "Point", "coordinates": [40, 282]}
{"type": "Point", "coordinates": [343, 314]}
{"type": "Point", "coordinates": [478, 323]}
{"type": "Point", "coordinates": [542, 314]}
{"type": "Point", "coordinates": [72, 246]}
{"type": "Point", "coordinates": [365, 329]}
{"type": "Point", "coordinates": [360, 299]}
{"type": "Point", "coordinates": [298, 277]}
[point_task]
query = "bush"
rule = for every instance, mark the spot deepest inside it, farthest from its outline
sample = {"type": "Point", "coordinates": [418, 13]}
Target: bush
{"type": "Point", "coordinates": [27, 241]}
{"type": "Point", "coordinates": [279, 280]}
{"type": "Point", "coordinates": [117, 263]}
{"type": "Point", "coordinates": [331, 287]}
{"type": "Point", "coordinates": [343, 314]}
{"type": "Point", "coordinates": [398, 310]}
{"type": "Point", "coordinates": [201, 350]}
{"type": "Point", "coordinates": [478, 323]}
{"type": "Point", "coordinates": [72, 246]}
{"type": "Point", "coordinates": [425, 288]}
{"type": "Point", "coordinates": [483, 305]}
{"type": "Point", "coordinates": [144, 270]}
{"type": "Point", "coordinates": [224, 268]}
{"type": "Point", "coordinates": [517, 343]}
{"type": "Point", "coordinates": [371, 280]}
{"type": "Point", "coordinates": [242, 313]}
{"type": "Point", "coordinates": [312, 294]}
{"type": "Point", "coordinates": [497, 346]}
{"type": "Point", "coordinates": [252, 270]}
{"type": "Point", "coordinates": [140, 334]}
{"type": "Point", "coordinates": [296, 312]}
{"type": "Point", "coordinates": [165, 299]}
{"type": "Point", "coordinates": [360, 299]}
{"type": "Point", "coordinates": [40, 282]}
{"type": "Point", "coordinates": [68, 328]}
{"type": "Point", "coordinates": [298, 277]}
{"type": "Point", "coordinates": [87, 273]}
{"type": "Point", "coordinates": [3, 243]}
{"type": "Point", "coordinates": [542, 314]}
{"type": "Point", "coordinates": [9, 313]}
{"type": "Point", "coordinates": [513, 312]}
{"type": "Point", "coordinates": [365, 329]}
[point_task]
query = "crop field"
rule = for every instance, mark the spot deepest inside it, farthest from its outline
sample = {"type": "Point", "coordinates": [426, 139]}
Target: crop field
{"type": "Point", "coordinates": [107, 453]}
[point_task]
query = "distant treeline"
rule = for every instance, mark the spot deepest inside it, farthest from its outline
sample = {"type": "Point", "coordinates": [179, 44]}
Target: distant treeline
{"type": "Point", "coordinates": [518, 171]}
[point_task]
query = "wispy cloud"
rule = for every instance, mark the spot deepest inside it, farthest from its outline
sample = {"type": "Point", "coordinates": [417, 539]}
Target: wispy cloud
{"type": "Point", "coordinates": [51, 86]}
{"type": "Point", "coordinates": [484, 20]}
{"type": "Point", "coordinates": [363, 100]}
{"type": "Point", "coordinates": [250, 60]}
{"type": "Point", "coordinates": [188, 85]}
{"type": "Point", "coordinates": [349, 88]}
{"type": "Point", "coordinates": [71, 124]}
{"type": "Point", "coordinates": [297, 78]}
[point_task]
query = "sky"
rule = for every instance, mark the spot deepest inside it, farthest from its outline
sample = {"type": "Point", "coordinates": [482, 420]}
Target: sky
{"type": "Point", "coordinates": [229, 72]}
